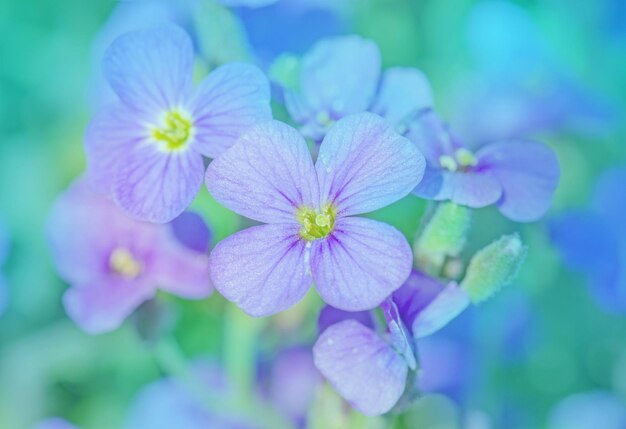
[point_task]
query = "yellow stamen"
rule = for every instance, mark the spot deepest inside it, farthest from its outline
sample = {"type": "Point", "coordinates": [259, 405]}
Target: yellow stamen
{"type": "Point", "coordinates": [175, 131]}
{"type": "Point", "coordinates": [123, 263]}
{"type": "Point", "coordinates": [316, 225]}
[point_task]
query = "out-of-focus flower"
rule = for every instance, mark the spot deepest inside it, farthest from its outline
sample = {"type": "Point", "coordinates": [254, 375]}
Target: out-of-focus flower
{"type": "Point", "coordinates": [170, 403]}
{"type": "Point", "coordinates": [311, 234]}
{"type": "Point", "coordinates": [369, 369]}
{"type": "Point", "coordinates": [290, 382]}
{"type": "Point", "coordinates": [292, 26]}
{"type": "Point", "coordinates": [147, 149]}
{"type": "Point", "coordinates": [55, 423]}
{"type": "Point", "coordinates": [519, 88]}
{"type": "Point", "coordinates": [589, 410]}
{"type": "Point", "coordinates": [341, 76]}
{"type": "Point", "coordinates": [593, 241]}
{"type": "Point", "coordinates": [115, 263]}
{"type": "Point", "coordinates": [518, 176]}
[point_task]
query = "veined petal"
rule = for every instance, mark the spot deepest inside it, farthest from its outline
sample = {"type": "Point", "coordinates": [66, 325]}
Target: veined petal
{"type": "Point", "coordinates": [363, 165]}
{"type": "Point", "coordinates": [102, 306]}
{"type": "Point", "coordinates": [180, 270]}
{"type": "Point", "coordinates": [156, 186]}
{"type": "Point", "coordinates": [403, 93]}
{"type": "Point", "coordinates": [266, 176]}
{"type": "Point", "coordinates": [151, 70]}
{"type": "Point", "coordinates": [470, 188]}
{"type": "Point", "coordinates": [263, 269]}
{"type": "Point", "coordinates": [109, 137]}
{"type": "Point", "coordinates": [360, 264]}
{"type": "Point", "coordinates": [450, 302]}
{"type": "Point", "coordinates": [229, 100]}
{"type": "Point", "coordinates": [417, 292]}
{"type": "Point", "coordinates": [528, 173]}
{"type": "Point", "coordinates": [361, 366]}
{"type": "Point", "coordinates": [340, 75]}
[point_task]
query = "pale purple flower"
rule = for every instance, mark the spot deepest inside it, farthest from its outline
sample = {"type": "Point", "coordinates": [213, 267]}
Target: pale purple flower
{"type": "Point", "coordinates": [518, 176]}
{"type": "Point", "coordinates": [147, 149]}
{"type": "Point", "coordinates": [340, 76]}
{"type": "Point", "coordinates": [114, 263]}
{"type": "Point", "coordinates": [371, 369]}
{"type": "Point", "coordinates": [310, 233]}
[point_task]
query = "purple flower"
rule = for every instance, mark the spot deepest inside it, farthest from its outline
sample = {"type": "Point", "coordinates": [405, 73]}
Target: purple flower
{"type": "Point", "coordinates": [115, 263]}
{"type": "Point", "coordinates": [518, 176]}
{"type": "Point", "coordinates": [340, 76]}
{"type": "Point", "coordinates": [593, 241]}
{"type": "Point", "coordinates": [171, 403]}
{"type": "Point", "coordinates": [371, 369]}
{"type": "Point", "coordinates": [147, 149]}
{"type": "Point", "coordinates": [55, 423]}
{"type": "Point", "coordinates": [311, 234]}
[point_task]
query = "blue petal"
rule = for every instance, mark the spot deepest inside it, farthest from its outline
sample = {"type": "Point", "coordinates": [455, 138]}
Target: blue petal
{"type": "Point", "coordinates": [417, 292]}
{"type": "Point", "coordinates": [266, 176]}
{"type": "Point", "coordinates": [151, 70]}
{"type": "Point", "coordinates": [448, 304]}
{"type": "Point", "coordinates": [263, 269]}
{"type": "Point", "coordinates": [360, 264]}
{"type": "Point", "coordinates": [229, 100]}
{"type": "Point", "coordinates": [528, 173]}
{"type": "Point", "coordinates": [156, 186]}
{"type": "Point", "coordinates": [361, 366]}
{"type": "Point", "coordinates": [364, 165]}
{"type": "Point", "coordinates": [191, 230]}
{"type": "Point", "coordinates": [403, 93]}
{"type": "Point", "coordinates": [330, 315]}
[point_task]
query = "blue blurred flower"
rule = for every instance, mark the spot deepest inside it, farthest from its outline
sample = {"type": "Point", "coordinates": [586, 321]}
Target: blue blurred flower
{"type": "Point", "coordinates": [341, 76]}
{"type": "Point", "coordinates": [519, 88]}
{"type": "Point", "coordinates": [589, 410]}
{"type": "Point", "coordinates": [593, 241]}
{"type": "Point", "coordinates": [373, 370]}
{"type": "Point", "coordinates": [518, 176]}
{"type": "Point", "coordinates": [147, 149]}
{"type": "Point", "coordinates": [55, 423]}
{"type": "Point", "coordinates": [115, 263]}
{"type": "Point", "coordinates": [311, 233]}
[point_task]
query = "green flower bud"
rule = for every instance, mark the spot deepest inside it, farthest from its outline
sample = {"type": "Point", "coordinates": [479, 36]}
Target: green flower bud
{"type": "Point", "coordinates": [443, 237]}
{"type": "Point", "coordinates": [286, 70]}
{"type": "Point", "coordinates": [493, 267]}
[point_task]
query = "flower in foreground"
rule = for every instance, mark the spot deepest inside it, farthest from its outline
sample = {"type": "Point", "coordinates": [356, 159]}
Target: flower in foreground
{"type": "Point", "coordinates": [340, 76]}
{"type": "Point", "coordinates": [372, 370]}
{"type": "Point", "coordinates": [147, 149]}
{"type": "Point", "coordinates": [593, 241]}
{"type": "Point", "coordinates": [518, 176]}
{"type": "Point", "coordinates": [311, 234]}
{"type": "Point", "coordinates": [115, 263]}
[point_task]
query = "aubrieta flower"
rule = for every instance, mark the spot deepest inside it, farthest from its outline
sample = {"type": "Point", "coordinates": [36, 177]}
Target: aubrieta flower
{"type": "Point", "coordinates": [518, 176]}
{"type": "Point", "coordinates": [113, 262]}
{"type": "Point", "coordinates": [592, 241]}
{"type": "Point", "coordinates": [147, 149]}
{"type": "Point", "coordinates": [311, 233]}
{"type": "Point", "coordinates": [372, 369]}
{"type": "Point", "coordinates": [342, 75]}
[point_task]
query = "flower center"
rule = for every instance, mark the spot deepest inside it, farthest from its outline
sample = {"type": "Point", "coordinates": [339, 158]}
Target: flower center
{"type": "Point", "coordinates": [123, 263]}
{"type": "Point", "coordinates": [462, 160]}
{"type": "Point", "coordinates": [316, 224]}
{"type": "Point", "coordinates": [175, 131]}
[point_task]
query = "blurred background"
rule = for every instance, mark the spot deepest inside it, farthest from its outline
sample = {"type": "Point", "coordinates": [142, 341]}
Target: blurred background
{"type": "Point", "coordinates": [547, 352]}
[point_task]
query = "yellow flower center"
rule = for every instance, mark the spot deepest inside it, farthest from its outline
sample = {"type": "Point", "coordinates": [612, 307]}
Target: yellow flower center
{"type": "Point", "coordinates": [123, 263]}
{"type": "Point", "coordinates": [316, 224]}
{"type": "Point", "coordinates": [175, 131]}
{"type": "Point", "coordinates": [462, 160]}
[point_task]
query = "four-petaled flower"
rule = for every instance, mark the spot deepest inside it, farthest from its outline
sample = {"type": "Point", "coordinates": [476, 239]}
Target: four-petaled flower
{"type": "Point", "coordinates": [147, 149]}
{"type": "Point", "coordinates": [372, 370]}
{"type": "Point", "coordinates": [311, 234]}
{"type": "Point", "coordinates": [340, 76]}
{"type": "Point", "coordinates": [518, 176]}
{"type": "Point", "coordinates": [115, 263]}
